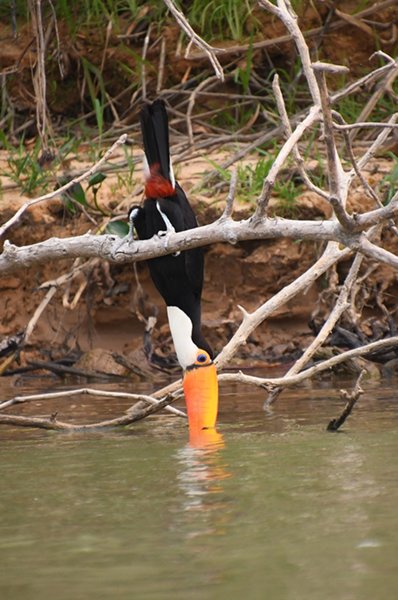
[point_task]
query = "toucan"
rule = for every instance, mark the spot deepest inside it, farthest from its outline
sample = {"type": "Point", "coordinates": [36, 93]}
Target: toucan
{"type": "Point", "coordinates": [178, 277]}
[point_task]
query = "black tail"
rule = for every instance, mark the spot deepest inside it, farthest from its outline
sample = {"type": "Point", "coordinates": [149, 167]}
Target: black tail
{"type": "Point", "coordinates": [155, 134]}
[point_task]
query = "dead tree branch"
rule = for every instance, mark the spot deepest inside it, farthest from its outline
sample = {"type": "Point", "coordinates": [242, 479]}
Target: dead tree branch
{"type": "Point", "coordinates": [344, 234]}
{"type": "Point", "coordinates": [351, 398]}
{"type": "Point", "coordinates": [90, 392]}
{"type": "Point", "coordinates": [196, 39]}
{"type": "Point", "coordinates": [53, 423]}
{"type": "Point", "coordinates": [59, 191]}
{"type": "Point", "coordinates": [270, 383]}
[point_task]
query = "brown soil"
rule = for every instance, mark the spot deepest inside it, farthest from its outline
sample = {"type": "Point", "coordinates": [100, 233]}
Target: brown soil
{"type": "Point", "coordinates": [108, 314]}
{"type": "Point", "coordinates": [118, 56]}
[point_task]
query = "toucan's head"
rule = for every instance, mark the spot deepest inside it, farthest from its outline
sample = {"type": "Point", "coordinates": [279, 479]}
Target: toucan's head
{"type": "Point", "coordinates": [200, 374]}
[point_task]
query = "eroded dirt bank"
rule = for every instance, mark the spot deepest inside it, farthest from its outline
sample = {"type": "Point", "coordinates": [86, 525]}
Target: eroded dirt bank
{"type": "Point", "coordinates": [97, 322]}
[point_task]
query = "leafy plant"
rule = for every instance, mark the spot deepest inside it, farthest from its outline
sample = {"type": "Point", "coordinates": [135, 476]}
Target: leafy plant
{"type": "Point", "coordinates": [389, 183]}
{"type": "Point", "coordinates": [242, 75]}
{"type": "Point", "coordinates": [119, 228]}
{"type": "Point", "coordinates": [127, 180]}
{"type": "Point", "coordinates": [24, 167]}
{"type": "Point", "coordinates": [220, 17]}
{"type": "Point", "coordinates": [251, 178]}
{"type": "Point", "coordinates": [76, 195]}
{"type": "Point", "coordinates": [287, 193]}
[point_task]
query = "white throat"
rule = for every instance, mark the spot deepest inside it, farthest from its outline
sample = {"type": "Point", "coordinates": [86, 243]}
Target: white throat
{"type": "Point", "coordinates": [181, 332]}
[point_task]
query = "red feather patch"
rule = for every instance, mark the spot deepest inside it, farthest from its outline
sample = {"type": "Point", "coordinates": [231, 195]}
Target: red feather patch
{"type": "Point", "coordinates": [157, 186]}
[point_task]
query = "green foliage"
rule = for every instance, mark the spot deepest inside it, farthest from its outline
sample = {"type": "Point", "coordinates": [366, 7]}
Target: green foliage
{"type": "Point", "coordinates": [242, 75]}
{"type": "Point", "coordinates": [81, 13]}
{"type": "Point", "coordinates": [96, 86]}
{"type": "Point", "coordinates": [221, 18]}
{"type": "Point", "coordinates": [350, 108]}
{"type": "Point", "coordinates": [389, 183]}
{"type": "Point", "coordinates": [251, 178]}
{"type": "Point", "coordinates": [126, 179]}
{"type": "Point", "coordinates": [287, 193]}
{"type": "Point", "coordinates": [25, 168]}
{"type": "Point", "coordinates": [119, 228]}
{"type": "Point", "coordinates": [76, 195]}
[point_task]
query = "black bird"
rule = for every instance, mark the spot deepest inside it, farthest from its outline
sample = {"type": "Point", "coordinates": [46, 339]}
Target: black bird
{"type": "Point", "coordinates": [177, 277]}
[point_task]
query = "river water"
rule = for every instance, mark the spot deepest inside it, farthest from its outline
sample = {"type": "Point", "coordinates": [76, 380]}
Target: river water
{"type": "Point", "coordinates": [274, 507]}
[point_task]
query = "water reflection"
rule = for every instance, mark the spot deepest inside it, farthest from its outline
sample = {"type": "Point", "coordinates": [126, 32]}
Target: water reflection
{"type": "Point", "coordinates": [206, 439]}
{"type": "Point", "coordinates": [356, 495]}
{"type": "Point", "coordinates": [202, 470]}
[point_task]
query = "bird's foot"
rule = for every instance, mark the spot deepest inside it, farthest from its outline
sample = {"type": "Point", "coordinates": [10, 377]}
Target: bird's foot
{"type": "Point", "coordinates": [165, 235]}
{"type": "Point", "coordinates": [127, 239]}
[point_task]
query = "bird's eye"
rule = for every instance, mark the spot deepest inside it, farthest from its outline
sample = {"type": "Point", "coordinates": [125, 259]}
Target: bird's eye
{"type": "Point", "coordinates": [202, 358]}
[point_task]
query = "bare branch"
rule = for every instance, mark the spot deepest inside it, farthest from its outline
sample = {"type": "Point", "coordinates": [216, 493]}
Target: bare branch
{"type": "Point", "coordinates": [230, 198]}
{"type": "Point", "coordinates": [269, 182]}
{"type": "Point", "coordinates": [90, 392]}
{"type": "Point", "coordinates": [373, 100]}
{"type": "Point", "coordinates": [269, 383]}
{"type": "Point", "coordinates": [53, 423]}
{"type": "Point", "coordinates": [196, 39]}
{"type": "Point", "coordinates": [351, 398]}
{"type": "Point", "coordinates": [340, 306]}
{"type": "Point", "coordinates": [331, 255]}
{"type": "Point", "coordinates": [377, 253]}
{"type": "Point", "coordinates": [289, 18]}
{"type": "Point", "coordinates": [122, 140]}
{"type": "Point", "coordinates": [143, 63]}
{"type": "Point", "coordinates": [105, 246]}
{"type": "Point", "coordinates": [288, 132]}
{"type": "Point", "coordinates": [337, 177]}
{"type": "Point", "coordinates": [191, 104]}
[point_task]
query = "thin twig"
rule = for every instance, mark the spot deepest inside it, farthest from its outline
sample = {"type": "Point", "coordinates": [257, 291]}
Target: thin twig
{"type": "Point", "coordinates": [191, 104]}
{"type": "Point", "coordinates": [196, 39]}
{"type": "Point", "coordinates": [121, 140]}
{"type": "Point", "coordinates": [90, 392]}
{"type": "Point", "coordinates": [231, 196]}
{"type": "Point", "coordinates": [288, 132]}
{"type": "Point", "coordinates": [143, 64]}
{"type": "Point", "coordinates": [337, 177]}
{"type": "Point", "coordinates": [351, 398]}
{"type": "Point", "coordinates": [325, 365]}
{"type": "Point", "coordinates": [52, 423]}
{"type": "Point", "coordinates": [162, 59]}
{"type": "Point", "coordinates": [340, 306]}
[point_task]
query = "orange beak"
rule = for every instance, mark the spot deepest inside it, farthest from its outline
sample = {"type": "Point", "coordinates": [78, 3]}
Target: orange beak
{"type": "Point", "coordinates": [201, 396]}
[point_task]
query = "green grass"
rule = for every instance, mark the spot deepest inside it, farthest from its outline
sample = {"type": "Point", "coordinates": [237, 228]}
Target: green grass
{"type": "Point", "coordinates": [389, 183]}
{"type": "Point", "coordinates": [224, 19]}
{"type": "Point", "coordinates": [79, 14]}
{"type": "Point", "coordinates": [250, 180]}
{"type": "Point", "coordinates": [24, 166]}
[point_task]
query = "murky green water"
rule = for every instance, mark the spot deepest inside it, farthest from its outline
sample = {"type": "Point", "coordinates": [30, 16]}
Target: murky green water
{"type": "Point", "coordinates": [278, 509]}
